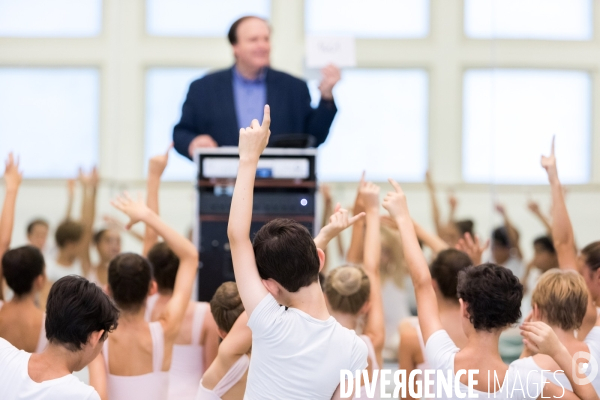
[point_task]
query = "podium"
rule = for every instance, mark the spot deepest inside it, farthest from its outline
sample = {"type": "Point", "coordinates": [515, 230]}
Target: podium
{"type": "Point", "coordinates": [285, 187]}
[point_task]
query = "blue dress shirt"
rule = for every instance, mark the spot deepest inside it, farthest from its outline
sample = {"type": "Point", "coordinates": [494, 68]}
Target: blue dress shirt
{"type": "Point", "coordinates": [250, 97]}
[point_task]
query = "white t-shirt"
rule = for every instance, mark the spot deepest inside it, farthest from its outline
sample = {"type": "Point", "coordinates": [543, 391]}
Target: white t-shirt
{"type": "Point", "coordinates": [560, 379]}
{"type": "Point", "coordinates": [295, 356]}
{"type": "Point", "coordinates": [15, 382]}
{"type": "Point", "coordinates": [55, 271]}
{"type": "Point", "coordinates": [518, 384]}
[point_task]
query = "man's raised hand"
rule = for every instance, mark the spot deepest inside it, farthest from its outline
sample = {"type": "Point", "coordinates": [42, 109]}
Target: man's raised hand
{"type": "Point", "coordinates": [395, 202]}
{"type": "Point", "coordinates": [254, 139]}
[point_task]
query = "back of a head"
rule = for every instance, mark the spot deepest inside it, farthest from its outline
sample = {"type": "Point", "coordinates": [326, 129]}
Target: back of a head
{"type": "Point", "coordinates": [75, 309]}
{"type": "Point", "coordinates": [226, 305]}
{"type": "Point", "coordinates": [445, 269]}
{"type": "Point", "coordinates": [21, 267]}
{"type": "Point", "coordinates": [68, 232]}
{"type": "Point", "coordinates": [500, 237]}
{"type": "Point", "coordinates": [285, 252]}
{"type": "Point", "coordinates": [129, 277]}
{"type": "Point", "coordinates": [465, 226]}
{"type": "Point", "coordinates": [493, 295]}
{"type": "Point", "coordinates": [164, 266]}
{"type": "Point", "coordinates": [562, 298]}
{"type": "Point", "coordinates": [347, 289]}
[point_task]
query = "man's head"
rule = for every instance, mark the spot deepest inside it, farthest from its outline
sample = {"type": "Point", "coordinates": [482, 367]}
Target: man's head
{"type": "Point", "coordinates": [79, 316]}
{"type": "Point", "coordinates": [490, 297]}
{"type": "Point", "coordinates": [250, 39]}
{"type": "Point", "coordinates": [164, 266]}
{"type": "Point", "coordinates": [23, 270]}
{"type": "Point", "coordinates": [226, 306]}
{"type": "Point", "coordinates": [68, 236]}
{"type": "Point", "coordinates": [37, 233]}
{"type": "Point", "coordinates": [545, 257]}
{"type": "Point", "coordinates": [108, 243]}
{"type": "Point", "coordinates": [445, 269]}
{"type": "Point", "coordinates": [130, 281]}
{"type": "Point", "coordinates": [286, 257]}
{"type": "Point", "coordinates": [560, 299]}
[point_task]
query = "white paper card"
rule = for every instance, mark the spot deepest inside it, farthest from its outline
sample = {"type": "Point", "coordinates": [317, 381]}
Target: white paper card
{"type": "Point", "coordinates": [324, 50]}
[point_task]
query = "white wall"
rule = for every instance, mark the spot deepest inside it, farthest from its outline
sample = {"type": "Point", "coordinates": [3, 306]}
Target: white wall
{"type": "Point", "coordinates": [123, 52]}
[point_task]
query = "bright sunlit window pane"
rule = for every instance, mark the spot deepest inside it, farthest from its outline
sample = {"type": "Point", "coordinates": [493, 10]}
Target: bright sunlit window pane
{"type": "Point", "coordinates": [510, 116]}
{"type": "Point", "coordinates": [529, 19]}
{"type": "Point", "coordinates": [200, 17]}
{"type": "Point", "coordinates": [49, 117]}
{"type": "Point", "coordinates": [166, 89]}
{"type": "Point", "coordinates": [368, 19]}
{"type": "Point", "coordinates": [50, 18]}
{"type": "Point", "coordinates": [375, 107]}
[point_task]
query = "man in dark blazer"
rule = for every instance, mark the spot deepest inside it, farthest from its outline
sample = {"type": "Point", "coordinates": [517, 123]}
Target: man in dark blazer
{"type": "Point", "coordinates": [221, 103]}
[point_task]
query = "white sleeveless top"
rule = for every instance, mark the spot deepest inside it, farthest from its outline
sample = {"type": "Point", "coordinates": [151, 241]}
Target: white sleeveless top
{"type": "Point", "coordinates": [235, 373]}
{"type": "Point", "coordinates": [362, 392]}
{"type": "Point", "coordinates": [187, 362]}
{"type": "Point", "coordinates": [151, 386]}
{"type": "Point", "coordinates": [55, 271]}
{"type": "Point", "coordinates": [42, 341]}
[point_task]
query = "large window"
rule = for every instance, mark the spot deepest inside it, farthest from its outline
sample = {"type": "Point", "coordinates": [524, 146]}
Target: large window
{"type": "Point", "coordinates": [529, 19]}
{"type": "Point", "coordinates": [50, 18]}
{"type": "Point", "coordinates": [49, 117]}
{"type": "Point", "coordinates": [200, 17]}
{"type": "Point", "coordinates": [166, 89]}
{"type": "Point", "coordinates": [368, 19]}
{"type": "Point", "coordinates": [381, 126]}
{"type": "Point", "coordinates": [510, 116]}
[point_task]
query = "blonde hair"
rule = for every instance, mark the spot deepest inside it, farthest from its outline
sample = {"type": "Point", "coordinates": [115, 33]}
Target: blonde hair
{"type": "Point", "coordinates": [393, 266]}
{"type": "Point", "coordinates": [226, 305]}
{"type": "Point", "coordinates": [562, 298]}
{"type": "Point", "coordinates": [347, 289]}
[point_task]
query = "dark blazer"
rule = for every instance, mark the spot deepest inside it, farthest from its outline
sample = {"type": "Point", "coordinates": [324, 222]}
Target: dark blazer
{"type": "Point", "coordinates": [210, 109]}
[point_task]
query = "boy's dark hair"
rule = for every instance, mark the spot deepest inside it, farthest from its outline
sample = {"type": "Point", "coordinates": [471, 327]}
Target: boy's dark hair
{"type": "Point", "coordinates": [493, 295]}
{"type": "Point", "coordinates": [465, 226]}
{"type": "Point", "coordinates": [285, 251]}
{"type": "Point", "coordinates": [545, 242]}
{"type": "Point", "coordinates": [68, 232]}
{"type": "Point", "coordinates": [591, 255]}
{"type": "Point", "coordinates": [445, 268]}
{"type": "Point", "coordinates": [232, 34]}
{"type": "Point", "coordinates": [21, 266]}
{"type": "Point", "coordinates": [500, 237]}
{"type": "Point", "coordinates": [77, 307]}
{"type": "Point", "coordinates": [129, 277]}
{"type": "Point", "coordinates": [164, 265]}
{"type": "Point", "coordinates": [226, 306]}
{"type": "Point", "coordinates": [34, 223]}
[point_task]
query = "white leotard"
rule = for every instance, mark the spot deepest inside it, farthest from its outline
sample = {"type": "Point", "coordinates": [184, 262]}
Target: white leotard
{"type": "Point", "coordinates": [235, 373]}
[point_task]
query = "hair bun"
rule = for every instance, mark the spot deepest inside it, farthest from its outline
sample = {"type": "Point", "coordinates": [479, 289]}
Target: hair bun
{"type": "Point", "coordinates": [347, 281]}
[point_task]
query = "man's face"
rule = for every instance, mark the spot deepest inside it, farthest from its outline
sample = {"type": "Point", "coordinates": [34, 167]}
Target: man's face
{"type": "Point", "coordinates": [253, 45]}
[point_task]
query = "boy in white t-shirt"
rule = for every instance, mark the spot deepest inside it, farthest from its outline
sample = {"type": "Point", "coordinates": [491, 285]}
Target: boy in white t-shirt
{"type": "Point", "coordinates": [298, 349]}
{"type": "Point", "coordinates": [79, 317]}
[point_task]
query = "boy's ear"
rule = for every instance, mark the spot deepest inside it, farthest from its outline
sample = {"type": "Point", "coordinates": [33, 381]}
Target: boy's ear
{"type": "Point", "coordinates": [39, 282]}
{"type": "Point", "coordinates": [153, 288]}
{"type": "Point", "coordinates": [271, 286]}
{"type": "Point", "coordinates": [463, 309]}
{"type": "Point", "coordinates": [321, 255]}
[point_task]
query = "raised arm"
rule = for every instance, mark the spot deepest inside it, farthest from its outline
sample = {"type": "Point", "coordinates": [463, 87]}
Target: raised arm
{"type": "Point", "coordinates": [534, 207]}
{"type": "Point", "coordinates": [12, 180]}
{"type": "Point", "coordinates": [253, 141]}
{"type": "Point", "coordinates": [562, 230]}
{"type": "Point", "coordinates": [355, 252]}
{"type": "Point", "coordinates": [88, 215]}
{"type": "Point", "coordinates": [427, 308]}
{"type": "Point", "coordinates": [431, 240]}
{"type": "Point", "coordinates": [327, 213]}
{"type": "Point", "coordinates": [435, 208]}
{"type": "Point", "coordinates": [540, 338]}
{"type": "Point", "coordinates": [175, 308]}
{"type": "Point", "coordinates": [375, 323]}
{"type": "Point", "coordinates": [513, 235]}
{"type": "Point", "coordinates": [339, 221]}
{"type": "Point", "coordinates": [156, 167]}
{"type": "Point", "coordinates": [70, 198]}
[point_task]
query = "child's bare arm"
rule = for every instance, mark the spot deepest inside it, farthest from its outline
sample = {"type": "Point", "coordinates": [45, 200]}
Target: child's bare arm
{"type": "Point", "coordinates": [355, 251]}
{"type": "Point", "coordinates": [431, 240]}
{"type": "Point", "coordinates": [427, 308]}
{"type": "Point", "coordinates": [338, 222]}
{"type": "Point", "coordinates": [534, 207]}
{"type": "Point", "coordinates": [12, 179]}
{"type": "Point", "coordinates": [88, 214]}
{"type": "Point", "coordinates": [156, 167]}
{"type": "Point", "coordinates": [253, 141]}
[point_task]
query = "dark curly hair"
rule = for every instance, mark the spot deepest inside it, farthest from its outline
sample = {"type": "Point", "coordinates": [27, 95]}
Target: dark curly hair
{"type": "Point", "coordinates": [493, 295]}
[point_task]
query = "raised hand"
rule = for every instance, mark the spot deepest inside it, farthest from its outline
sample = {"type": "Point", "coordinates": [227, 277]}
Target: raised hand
{"type": "Point", "coordinates": [157, 164]}
{"type": "Point", "coordinates": [331, 76]}
{"type": "Point", "coordinates": [452, 201]}
{"type": "Point", "coordinates": [472, 247]}
{"type": "Point", "coordinates": [254, 139]}
{"type": "Point", "coordinates": [12, 176]}
{"type": "Point", "coordinates": [395, 202]}
{"type": "Point", "coordinates": [136, 210]}
{"type": "Point", "coordinates": [540, 338]}
{"type": "Point", "coordinates": [533, 206]}
{"type": "Point", "coordinates": [339, 221]}
{"type": "Point", "coordinates": [500, 208]}
{"type": "Point", "coordinates": [359, 206]}
{"type": "Point", "coordinates": [369, 193]}
{"type": "Point", "coordinates": [90, 179]}
{"type": "Point", "coordinates": [549, 162]}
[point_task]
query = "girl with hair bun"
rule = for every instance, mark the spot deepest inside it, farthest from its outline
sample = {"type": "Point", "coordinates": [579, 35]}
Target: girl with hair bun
{"type": "Point", "coordinates": [353, 293]}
